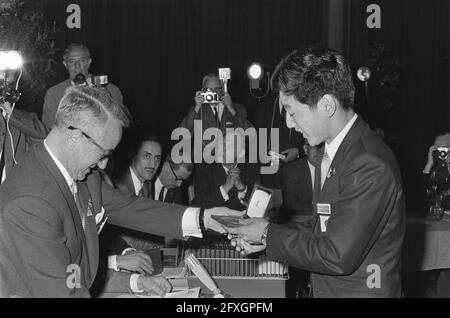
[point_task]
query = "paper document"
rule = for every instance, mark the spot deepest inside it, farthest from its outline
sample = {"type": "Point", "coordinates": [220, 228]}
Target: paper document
{"type": "Point", "coordinates": [190, 293]}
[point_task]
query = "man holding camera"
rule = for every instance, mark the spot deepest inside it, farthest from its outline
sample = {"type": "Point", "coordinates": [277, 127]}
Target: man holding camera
{"type": "Point", "coordinates": [215, 108]}
{"type": "Point", "coordinates": [77, 61]}
{"type": "Point", "coordinates": [18, 129]}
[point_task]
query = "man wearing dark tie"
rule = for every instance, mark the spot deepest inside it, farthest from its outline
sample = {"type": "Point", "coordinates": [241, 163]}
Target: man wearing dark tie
{"type": "Point", "coordinates": [170, 185]}
{"type": "Point", "coordinates": [222, 113]}
{"type": "Point", "coordinates": [352, 244]}
{"type": "Point", "coordinates": [144, 163]}
{"type": "Point", "coordinates": [54, 204]}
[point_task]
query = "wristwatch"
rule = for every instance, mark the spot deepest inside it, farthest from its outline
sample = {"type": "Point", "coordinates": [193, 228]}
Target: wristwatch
{"type": "Point", "coordinates": [264, 234]}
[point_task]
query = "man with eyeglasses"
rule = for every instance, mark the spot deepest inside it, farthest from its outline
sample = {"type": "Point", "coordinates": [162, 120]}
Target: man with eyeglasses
{"type": "Point", "coordinates": [54, 204]}
{"type": "Point", "coordinates": [76, 60]}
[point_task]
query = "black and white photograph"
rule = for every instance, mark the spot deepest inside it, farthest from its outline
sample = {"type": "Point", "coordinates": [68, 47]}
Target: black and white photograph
{"type": "Point", "coordinates": [251, 151]}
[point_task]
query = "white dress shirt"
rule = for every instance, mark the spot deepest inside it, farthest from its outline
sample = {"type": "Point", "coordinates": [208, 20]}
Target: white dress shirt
{"type": "Point", "coordinates": [158, 188]}
{"type": "Point", "coordinates": [333, 146]}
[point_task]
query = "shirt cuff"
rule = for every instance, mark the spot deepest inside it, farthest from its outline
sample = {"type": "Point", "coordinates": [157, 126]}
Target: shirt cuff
{"type": "Point", "coordinates": [112, 262]}
{"type": "Point", "coordinates": [224, 194]}
{"type": "Point", "coordinates": [128, 249]}
{"type": "Point", "coordinates": [189, 224]}
{"type": "Point", "coordinates": [133, 283]}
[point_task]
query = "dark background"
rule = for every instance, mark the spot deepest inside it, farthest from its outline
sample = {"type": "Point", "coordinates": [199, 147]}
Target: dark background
{"type": "Point", "coordinates": [157, 51]}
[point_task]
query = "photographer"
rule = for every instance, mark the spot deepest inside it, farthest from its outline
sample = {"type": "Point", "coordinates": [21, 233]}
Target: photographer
{"type": "Point", "coordinates": [437, 179]}
{"type": "Point", "coordinates": [215, 108]}
{"type": "Point", "coordinates": [77, 61]}
{"type": "Point", "coordinates": [18, 129]}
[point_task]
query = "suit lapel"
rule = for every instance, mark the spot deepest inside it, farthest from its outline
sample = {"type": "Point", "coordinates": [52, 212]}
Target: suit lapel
{"type": "Point", "coordinates": [44, 156]}
{"type": "Point", "coordinates": [336, 166]}
{"type": "Point", "coordinates": [339, 159]}
{"type": "Point", "coordinates": [169, 195]}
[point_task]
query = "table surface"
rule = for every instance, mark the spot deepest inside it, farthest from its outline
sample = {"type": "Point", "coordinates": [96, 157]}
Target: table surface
{"type": "Point", "coordinates": [427, 243]}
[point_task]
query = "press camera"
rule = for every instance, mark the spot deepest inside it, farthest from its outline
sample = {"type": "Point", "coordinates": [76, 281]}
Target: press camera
{"type": "Point", "coordinates": [210, 96]}
{"type": "Point", "coordinates": [441, 153]}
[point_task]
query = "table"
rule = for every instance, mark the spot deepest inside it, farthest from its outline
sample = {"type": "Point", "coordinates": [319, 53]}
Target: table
{"type": "Point", "coordinates": [427, 244]}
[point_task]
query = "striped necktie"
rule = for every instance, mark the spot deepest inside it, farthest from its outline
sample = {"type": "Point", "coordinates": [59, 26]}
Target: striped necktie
{"type": "Point", "coordinates": [76, 197]}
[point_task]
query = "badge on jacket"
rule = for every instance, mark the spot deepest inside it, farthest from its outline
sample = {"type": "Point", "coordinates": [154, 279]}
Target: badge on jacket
{"type": "Point", "coordinates": [324, 212]}
{"type": "Point", "coordinates": [100, 220]}
{"type": "Point", "coordinates": [89, 208]}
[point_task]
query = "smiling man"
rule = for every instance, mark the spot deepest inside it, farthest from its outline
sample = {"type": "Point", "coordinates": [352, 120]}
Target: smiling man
{"type": "Point", "coordinates": [352, 244]}
{"type": "Point", "coordinates": [54, 203]}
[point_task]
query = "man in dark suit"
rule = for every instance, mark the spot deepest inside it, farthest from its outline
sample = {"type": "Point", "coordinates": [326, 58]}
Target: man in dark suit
{"type": "Point", "coordinates": [139, 178]}
{"type": "Point", "coordinates": [54, 204]}
{"type": "Point", "coordinates": [226, 182]}
{"type": "Point", "coordinates": [76, 60]}
{"type": "Point", "coordinates": [223, 114]}
{"type": "Point", "coordinates": [145, 159]}
{"type": "Point", "coordinates": [25, 128]}
{"type": "Point", "coordinates": [290, 142]}
{"type": "Point", "coordinates": [170, 184]}
{"type": "Point", "coordinates": [297, 183]}
{"type": "Point", "coordinates": [352, 245]}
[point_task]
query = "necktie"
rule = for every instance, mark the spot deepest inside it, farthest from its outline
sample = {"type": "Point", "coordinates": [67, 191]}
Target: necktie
{"type": "Point", "coordinates": [324, 167]}
{"type": "Point", "coordinates": [161, 194]}
{"type": "Point", "coordinates": [74, 190]}
{"type": "Point", "coordinates": [216, 115]}
{"type": "Point", "coordinates": [145, 191]}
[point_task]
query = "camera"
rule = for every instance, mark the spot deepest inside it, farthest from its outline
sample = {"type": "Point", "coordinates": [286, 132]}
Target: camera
{"type": "Point", "coordinates": [7, 93]}
{"type": "Point", "coordinates": [210, 96]}
{"type": "Point", "coordinates": [441, 153]}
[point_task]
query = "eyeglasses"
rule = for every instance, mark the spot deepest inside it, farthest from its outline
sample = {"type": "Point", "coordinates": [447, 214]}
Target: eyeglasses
{"type": "Point", "coordinates": [173, 172]}
{"type": "Point", "coordinates": [106, 153]}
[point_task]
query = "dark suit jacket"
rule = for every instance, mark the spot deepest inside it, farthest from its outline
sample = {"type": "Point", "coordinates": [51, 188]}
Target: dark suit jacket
{"type": "Point", "coordinates": [25, 129]}
{"type": "Point", "coordinates": [177, 195]}
{"type": "Point", "coordinates": [209, 177]}
{"type": "Point", "coordinates": [206, 115]}
{"type": "Point", "coordinates": [124, 182]}
{"type": "Point", "coordinates": [55, 93]}
{"type": "Point", "coordinates": [365, 229]}
{"type": "Point", "coordinates": [41, 236]}
{"type": "Point", "coordinates": [268, 116]}
{"type": "Point", "coordinates": [296, 187]}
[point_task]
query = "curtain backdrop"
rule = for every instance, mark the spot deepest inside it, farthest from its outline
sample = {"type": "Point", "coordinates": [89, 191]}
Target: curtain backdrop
{"type": "Point", "coordinates": [157, 51]}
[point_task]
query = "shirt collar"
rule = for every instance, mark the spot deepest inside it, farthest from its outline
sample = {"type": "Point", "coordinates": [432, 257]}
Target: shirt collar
{"type": "Point", "coordinates": [333, 146]}
{"type": "Point", "coordinates": [60, 166]}
{"type": "Point", "coordinates": [137, 184]}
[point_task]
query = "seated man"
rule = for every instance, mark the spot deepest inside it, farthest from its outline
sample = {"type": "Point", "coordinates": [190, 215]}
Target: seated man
{"type": "Point", "coordinates": [136, 179]}
{"type": "Point", "coordinates": [226, 182]}
{"type": "Point", "coordinates": [77, 60]}
{"type": "Point", "coordinates": [170, 184]}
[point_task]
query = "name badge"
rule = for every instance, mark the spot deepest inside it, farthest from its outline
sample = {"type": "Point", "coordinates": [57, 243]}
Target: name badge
{"type": "Point", "coordinates": [323, 208]}
{"type": "Point", "coordinates": [323, 222]}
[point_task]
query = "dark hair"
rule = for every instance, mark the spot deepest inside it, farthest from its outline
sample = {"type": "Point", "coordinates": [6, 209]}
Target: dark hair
{"type": "Point", "coordinates": [312, 71]}
{"type": "Point", "coordinates": [176, 166]}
